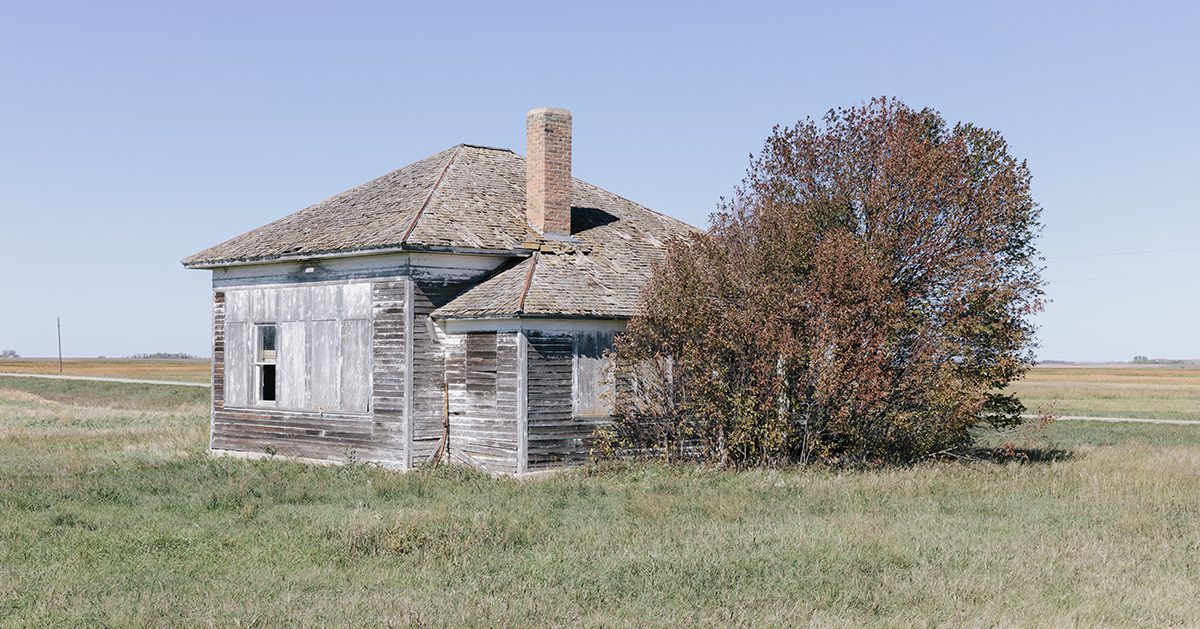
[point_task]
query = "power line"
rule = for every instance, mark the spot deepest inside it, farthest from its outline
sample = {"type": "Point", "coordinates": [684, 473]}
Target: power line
{"type": "Point", "coordinates": [1123, 253]}
{"type": "Point", "coordinates": [1122, 277]}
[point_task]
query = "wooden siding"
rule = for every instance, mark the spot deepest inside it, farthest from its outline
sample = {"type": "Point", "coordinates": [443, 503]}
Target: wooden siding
{"type": "Point", "coordinates": [218, 360]}
{"type": "Point", "coordinates": [345, 355]}
{"type": "Point", "coordinates": [519, 400]}
{"type": "Point", "coordinates": [293, 364]}
{"type": "Point", "coordinates": [428, 369]}
{"type": "Point", "coordinates": [390, 385]}
{"type": "Point", "coordinates": [482, 373]}
{"type": "Point", "coordinates": [355, 364]}
{"type": "Point", "coordinates": [322, 362]}
{"type": "Point", "coordinates": [556, 436]}
{"type": "Point", "coordinates": [240, 368]}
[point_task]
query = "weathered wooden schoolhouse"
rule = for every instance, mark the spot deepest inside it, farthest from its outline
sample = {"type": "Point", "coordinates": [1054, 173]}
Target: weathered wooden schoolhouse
{"type": "Point", "coordinates": [462, 302]}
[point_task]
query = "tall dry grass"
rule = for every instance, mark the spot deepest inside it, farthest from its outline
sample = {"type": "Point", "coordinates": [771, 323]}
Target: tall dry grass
{"type": "Point", "coordinates": [1149, 392]}
{"type": "Point", "coordinates": [177, 370]}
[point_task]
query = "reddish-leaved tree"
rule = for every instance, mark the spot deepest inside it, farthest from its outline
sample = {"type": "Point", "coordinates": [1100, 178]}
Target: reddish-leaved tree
{"type": "Point", "coordinates": [861, 299]}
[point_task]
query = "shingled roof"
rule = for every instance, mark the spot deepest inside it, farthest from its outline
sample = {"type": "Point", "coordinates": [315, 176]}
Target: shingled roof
{"type": "Point", "coordinates": [473, 198]}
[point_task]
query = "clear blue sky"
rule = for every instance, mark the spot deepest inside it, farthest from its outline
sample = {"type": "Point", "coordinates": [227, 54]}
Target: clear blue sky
{"type": "Point", "coordinates": [133, 134]}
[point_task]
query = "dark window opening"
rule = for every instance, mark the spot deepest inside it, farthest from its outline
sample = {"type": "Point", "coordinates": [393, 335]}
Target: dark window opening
{"type": "Point", "coordinates": [267, 392]}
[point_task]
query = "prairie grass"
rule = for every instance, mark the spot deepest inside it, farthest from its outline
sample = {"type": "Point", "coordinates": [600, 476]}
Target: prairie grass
{"type": "Point", "coordinates": [113, 515]}
{"type": "Point", "coordinates": [1149, 392]}
{"type": "Point", "coordinates": [177, 370]}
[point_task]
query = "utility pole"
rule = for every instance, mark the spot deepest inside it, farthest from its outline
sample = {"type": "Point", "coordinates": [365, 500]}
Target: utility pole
{"type": "Point", "coordinates": [59, 320]}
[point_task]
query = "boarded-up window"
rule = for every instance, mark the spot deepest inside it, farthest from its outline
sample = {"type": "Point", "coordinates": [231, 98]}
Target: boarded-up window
{"type": "Point", "coordinates": [320, 349]}
{"type": "Point", "coordinates": [480, 368]}
{"type": "Point", "coordinates": [593, 389]}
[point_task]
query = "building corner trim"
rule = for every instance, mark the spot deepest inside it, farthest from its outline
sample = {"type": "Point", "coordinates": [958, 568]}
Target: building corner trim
{"type": "Point", "coordinates": [408, 372]}
{"type": "Point", "coordinates": [522, 403]}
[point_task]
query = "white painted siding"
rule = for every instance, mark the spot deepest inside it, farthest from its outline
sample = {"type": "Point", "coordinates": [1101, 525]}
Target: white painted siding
{"type": "Point", "coordinates": [356, 301]}
{"type": "Point", "coordinates": [356, 365]}
{"type": "Point", "coordinates": [293, 303]}
{"type": "Point", "coordinates": [324, 357]}
{"type": "Point", "coordinates": [239, 366]}
{"type": "Point", "coordinates": [325, 369]}
{"type": "Point", "coordinates": [293, 364]}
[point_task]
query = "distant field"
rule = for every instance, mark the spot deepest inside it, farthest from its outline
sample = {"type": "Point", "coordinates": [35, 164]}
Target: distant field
{"type": "Point", "coordinates": [180, 370]}
{"type": "Point", "coordinates": [1121, 391]}
{"type": "Point", "coordinates": [1096, 391]}
{"type": "Point", "coordinates": [114, 516]}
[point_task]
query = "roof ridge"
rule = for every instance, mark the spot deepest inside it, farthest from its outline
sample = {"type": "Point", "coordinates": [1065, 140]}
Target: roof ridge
{"type": "Point", "coordinates": [528, 282]}
{"type": "Point", "coordinates": [488, 148]}
{"type": "Point", "coordinates": [433, 189]}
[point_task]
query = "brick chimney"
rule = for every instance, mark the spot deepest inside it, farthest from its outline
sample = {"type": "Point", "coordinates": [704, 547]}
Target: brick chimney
{"type": "Point", "coordinates": [548, 170]}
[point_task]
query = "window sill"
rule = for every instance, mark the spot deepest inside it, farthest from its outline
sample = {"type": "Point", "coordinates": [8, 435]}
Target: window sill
{"type": "Point", "coordinates": [300, 411]}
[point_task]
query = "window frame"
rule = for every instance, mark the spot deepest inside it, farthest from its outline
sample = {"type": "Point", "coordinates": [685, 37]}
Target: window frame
{"type": "Point", "coordinates": [602, 404]}
{"type": "Point", "coordinates": [263, 360]}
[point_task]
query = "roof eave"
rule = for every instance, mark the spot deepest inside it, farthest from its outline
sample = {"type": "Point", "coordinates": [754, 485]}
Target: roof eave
{"type": "Point", "coordinates": [521, 315]}
{"type": "Point", "coordinates": [516, 252]}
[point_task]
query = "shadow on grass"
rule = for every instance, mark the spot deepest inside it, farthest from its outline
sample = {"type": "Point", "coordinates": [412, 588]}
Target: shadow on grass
{"type": "Point", "coordinates": [1006, 454]}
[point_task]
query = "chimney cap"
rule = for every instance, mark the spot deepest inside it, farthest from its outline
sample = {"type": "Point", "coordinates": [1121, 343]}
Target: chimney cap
{"type": "Point", "coordinates": [554, 111]}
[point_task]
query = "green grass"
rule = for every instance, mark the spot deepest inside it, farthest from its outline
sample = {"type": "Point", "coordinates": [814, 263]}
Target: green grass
{"type": "Point", "coordinates": [116, 517]}
{"type": "Point", "coordinates": [113, 395]}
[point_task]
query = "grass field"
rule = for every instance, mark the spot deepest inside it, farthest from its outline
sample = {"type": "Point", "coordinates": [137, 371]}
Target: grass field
{"type": "Point", "coordinates": [177, 370]}
{"type": "Point", "coordinates": [113, 515]}
{"type": "Point", "coordinates": [1119, 391]}
{"type": "Point", "coordinates": [1150, 392]}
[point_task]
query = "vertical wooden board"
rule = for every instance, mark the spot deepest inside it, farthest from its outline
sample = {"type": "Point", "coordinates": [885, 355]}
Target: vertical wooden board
{"type": "Point", "coordinates": [293, 362]}
{"type": "Point", "coordinates": [301, 427]}
{"type": "Point", "coordinates": [238, 366]}
{"type": "Point", "coordinates": [356, 365]}
{"type": "Point", "coordinates": [293, 303]}
{"type": "Point", "coordinates": [522, 366]}
{"type": "Point", "coordinates": [324, 300]}
{"type": "Point", "coordinates": [264, 306]}
{"type": "Point", "coordinates": [592, 390]}
{"type": "Point", "coordinates": [237, 306]}
{"type": "Point", "coordinates": [409, 323]}
{"type": "Point", "coordinates": [324, 371]}
{"type": "Point", "coordinates": [356, 301]}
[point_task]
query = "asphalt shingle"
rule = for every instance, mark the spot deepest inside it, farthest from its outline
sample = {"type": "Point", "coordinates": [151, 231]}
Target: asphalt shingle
{"type": "Point", "coordinates": [471, 197]}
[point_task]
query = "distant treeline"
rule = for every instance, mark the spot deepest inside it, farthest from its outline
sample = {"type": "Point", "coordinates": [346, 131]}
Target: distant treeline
{"type": "Point", "coordinates": [1144, 360]}
{"type": "Point", "coordinates": [1137, 360]}
{"type": "Point", "coordinates": [164, 356]}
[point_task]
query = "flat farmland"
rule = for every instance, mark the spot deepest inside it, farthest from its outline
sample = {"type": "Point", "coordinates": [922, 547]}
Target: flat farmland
{"type": "Point", "coordinates": [115, 516]}
{"type": "Point", "coordinates": [1112, 391]}
{"type": "Point", "coordinates": [1095, 391]}
{"type": "Point", "coordinates": [177, 370]}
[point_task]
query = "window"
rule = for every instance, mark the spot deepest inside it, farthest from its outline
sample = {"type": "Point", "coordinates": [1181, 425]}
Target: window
{"type": "Point", "coordinates": [299, 348]}
{"type": "Point", "coordinates": [592, 374]}
{"type": "Point", "coordinates": [264, 362]}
